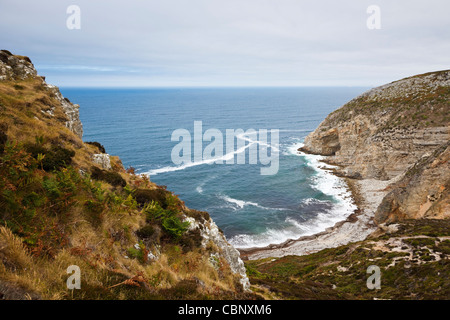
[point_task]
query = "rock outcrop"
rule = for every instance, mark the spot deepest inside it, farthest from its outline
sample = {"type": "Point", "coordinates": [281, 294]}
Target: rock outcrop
{"type": "Point", "coordinates": [211, 233]}
{"type": "Point", "coordinates": [103, 160]}
{"type": "Point", "coordinates": [385, 132]}
{"type": "Point", "coordinates": [70, 109]}
{"type": "Point", "coordinates": [423, 191]}
{"type": "Point", "coordinates": [15, 67]}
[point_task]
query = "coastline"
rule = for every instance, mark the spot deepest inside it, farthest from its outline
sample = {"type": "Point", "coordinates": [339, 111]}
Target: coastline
{"type": "Point", "coordinates": [367, 194]}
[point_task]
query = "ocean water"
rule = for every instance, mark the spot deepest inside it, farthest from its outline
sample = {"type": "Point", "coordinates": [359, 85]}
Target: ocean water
{"type": "Point", "coordinates": [253, 210]}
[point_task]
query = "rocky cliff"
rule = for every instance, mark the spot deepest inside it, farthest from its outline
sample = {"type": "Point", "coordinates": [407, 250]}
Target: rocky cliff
{"type": "Point", "coordinates": [65, 202]}
{"type": "Point", "coordinates": [422, 192]}
{"type": "Point", "coordinates": [392, 145]}
{"type": "Point", "coordinates": [15, 68]}
{"type": "Point", "coordinates": [395, 129]}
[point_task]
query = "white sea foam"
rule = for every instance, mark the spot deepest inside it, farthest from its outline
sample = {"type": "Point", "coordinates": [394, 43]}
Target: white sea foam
{"type": "Point", "coordinates": [309, 201]}
{"type": "Point", "coordinates": [240, 204]}
{"type": "Point", "coordinates": [293, 149]}
{"type": "Point", "coordinates": [271, 236]}
{"type": "Point", "coordinates": [225, 157]}
{"type": "Point", "coordinates": [294, 230]}
{"type": "Point", "coordinates": [325, 182]}
{"type": "Point", "coordinates": [251, 141]}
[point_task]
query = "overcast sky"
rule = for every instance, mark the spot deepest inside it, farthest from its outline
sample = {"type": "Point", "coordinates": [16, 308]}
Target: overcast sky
{"type": "Point", "coordinates": [228, 42]}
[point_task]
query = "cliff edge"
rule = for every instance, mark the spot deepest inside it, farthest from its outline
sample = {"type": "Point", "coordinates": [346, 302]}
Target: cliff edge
{"type": "Point", "coordinates": [65, 202]}
{"type": "Point", "coordinates": [398, 133]}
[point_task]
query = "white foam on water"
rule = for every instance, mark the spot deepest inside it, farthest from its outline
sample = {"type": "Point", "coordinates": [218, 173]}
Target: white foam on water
{"type": "Point", "coordinates": [251, 141]}
{"type": "Point", "coordinates": [240, 204]}
{"type": "Point", "coordinates": [324, 181]}
{"type": "Point", "coordinates": [225, 157]}
{"type": "Point", "coordinates": [271, 236]}
{"type": "Point", "coordinates": [313, 201]}
{"type": "Point", "coordinates": [292, 149]}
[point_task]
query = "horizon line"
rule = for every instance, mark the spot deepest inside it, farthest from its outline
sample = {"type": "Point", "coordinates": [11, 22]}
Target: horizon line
{"type": "Point", "coordinates": [214, 87]}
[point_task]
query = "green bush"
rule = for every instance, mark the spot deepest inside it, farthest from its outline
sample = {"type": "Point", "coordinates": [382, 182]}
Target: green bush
{"type": "Point", "coordinates": [139, 254]}
{"type": "Point", "coordinates": [174, 226]}
{"type": "Point", "coordinates": [170, 222]}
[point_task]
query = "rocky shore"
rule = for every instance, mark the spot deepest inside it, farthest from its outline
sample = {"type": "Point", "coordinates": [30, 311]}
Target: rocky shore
{"type": "Point", "coordinates": [367, 194]}
{"type": "Point", "coordinates": [391, 146]}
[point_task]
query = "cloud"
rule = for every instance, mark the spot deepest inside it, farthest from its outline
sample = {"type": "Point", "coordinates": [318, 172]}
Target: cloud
{"type": "Point", "coordinates": [218, 42]}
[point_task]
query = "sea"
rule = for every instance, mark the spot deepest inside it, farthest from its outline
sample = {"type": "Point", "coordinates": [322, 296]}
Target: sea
{"type": "Point", "coordinates": [253, 209]}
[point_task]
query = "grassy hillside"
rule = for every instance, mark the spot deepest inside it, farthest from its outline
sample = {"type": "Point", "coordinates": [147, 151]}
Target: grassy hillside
{"type": "Point", "coordinates": [58, 208]}
{"type": "Point", "coordinates": [420, 101]}
{"type": "Point", "coordinates": [414, 264]}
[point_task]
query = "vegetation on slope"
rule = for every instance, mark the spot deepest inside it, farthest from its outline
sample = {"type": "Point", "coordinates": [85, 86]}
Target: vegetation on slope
{"type": "Point", "coordinates": [58, 208]}
{"type": "Point", "coordinates": [419, 102]}
{"type": "Point", "coordinates": [414, 264]}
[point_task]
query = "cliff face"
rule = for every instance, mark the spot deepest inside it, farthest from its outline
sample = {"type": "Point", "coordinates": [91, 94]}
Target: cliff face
{"type": "Point", "coordinates": [13, 68]}
{"type": "Point", "coordinates": [422, 192]}
{"type": "Point", "coordinates": [65, 202]}
{"type": "Point", "coordinates": [386, 131]}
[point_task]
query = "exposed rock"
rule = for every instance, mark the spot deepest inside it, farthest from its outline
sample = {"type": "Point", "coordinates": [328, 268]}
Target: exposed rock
{"type": "Point", "coordinates": [71, 110]}
{"type": "Point", "coordinates": [399, 131]}
{"type": "Point", "coordinates": [387, 129]}
{"type": "Point", "coordinates": [102, 159]}
{"type": "Point", "coordinates": [423, 192]}
{"type": "Point", "coordinates": [15, 67]}
{"type": "Point", "coordinates": [211, 233]}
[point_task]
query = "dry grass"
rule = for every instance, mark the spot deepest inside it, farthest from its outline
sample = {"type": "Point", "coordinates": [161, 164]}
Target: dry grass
{"type": "Point", "coordinates": [100, 249]}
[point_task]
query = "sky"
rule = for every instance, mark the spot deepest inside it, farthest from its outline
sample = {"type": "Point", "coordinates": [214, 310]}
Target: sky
{"type": "Point", "coordinates": [197, 43]}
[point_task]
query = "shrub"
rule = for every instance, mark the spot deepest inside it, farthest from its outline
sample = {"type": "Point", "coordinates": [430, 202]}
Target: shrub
{"type": "Point", "coordinates": [53, 159]}
{"type": "Point", "coordinates": [111, 177]}
{"type": "Point", "coordinates": [170, 222]}
{"type": "Point", "coordinates": [185, 289]}
{"type": "Point", "coordinates": [200, 216]}
{"type": "Point", "coordinates": [3, 139]}
{"type": "Point", "coordinates": [140, 253]}
{"type": "Point", "coordinates": [100, 147]}
{"type": "Point", "coordinates": [146, 196]}
{"type": "Point", "coordinates": [191, 240]}
{"type": "Point", "coordinates": [174, 226]}
{"type": "Point", "coordinates": [146, 232]}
